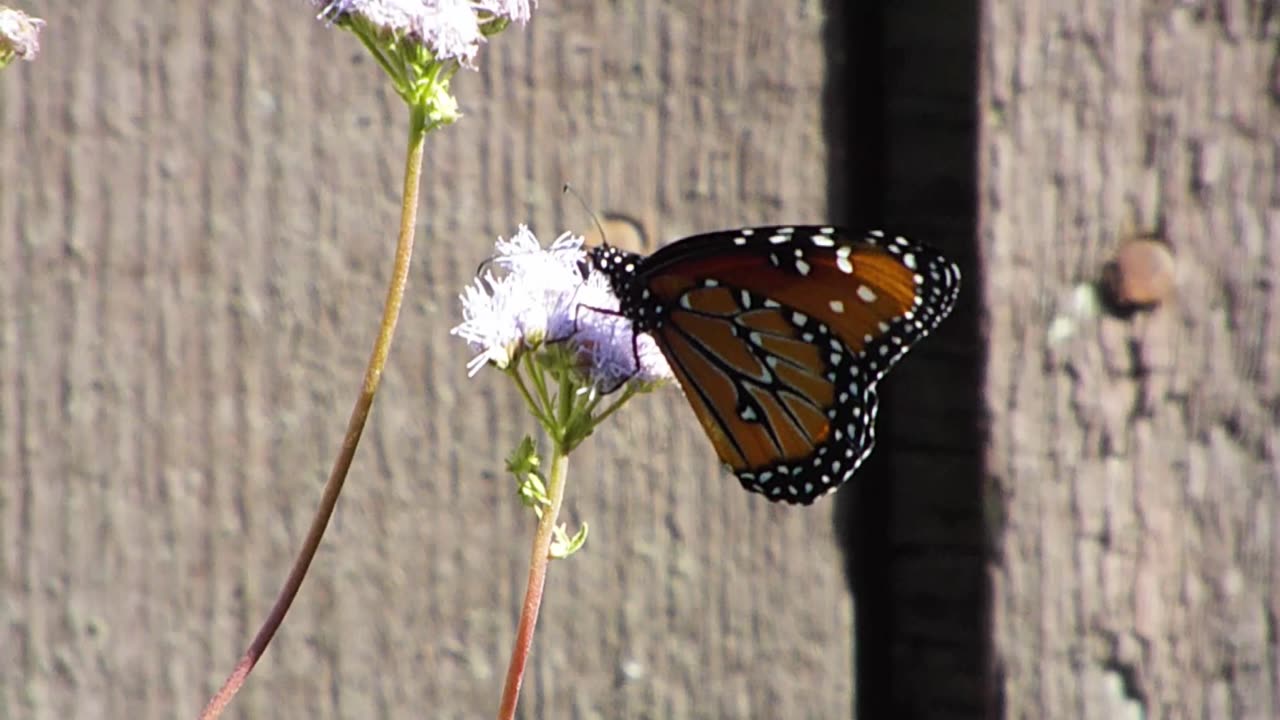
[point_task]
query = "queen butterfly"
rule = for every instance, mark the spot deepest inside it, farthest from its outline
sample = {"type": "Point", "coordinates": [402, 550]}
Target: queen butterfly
{"type": "Point", "coordinates": [778, 335]}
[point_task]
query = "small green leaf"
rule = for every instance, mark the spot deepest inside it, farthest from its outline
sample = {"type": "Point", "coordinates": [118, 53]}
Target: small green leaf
{"type": "Point", "coordinates": [562, 546]}
{"type": "Point", "coordinates": [524, 459]}
{"type": "Point", "coordinates": [533, 492]}
{"type": "Point", "coordinates": [523, 462]}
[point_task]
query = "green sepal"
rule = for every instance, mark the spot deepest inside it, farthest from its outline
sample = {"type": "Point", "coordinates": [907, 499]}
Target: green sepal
{"type": "Point", "coordinates": [579, 428]}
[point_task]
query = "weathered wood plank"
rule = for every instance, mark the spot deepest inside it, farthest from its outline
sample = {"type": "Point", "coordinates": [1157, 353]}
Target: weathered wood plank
{"type": "Point", "coordinates": [1133, 460]}
{"type": "Point", "coordinates": [199, 204]}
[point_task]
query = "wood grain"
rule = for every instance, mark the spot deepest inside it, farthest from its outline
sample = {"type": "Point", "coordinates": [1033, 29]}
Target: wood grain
{"type": "Point", "coordinates": [1133, 460]}
{"type": "Point", "coordinates": [198, 209]}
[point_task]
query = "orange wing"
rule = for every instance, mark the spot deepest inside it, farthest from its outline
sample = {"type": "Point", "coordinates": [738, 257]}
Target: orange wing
{"type": "Point", "coordinates": [779, 346]}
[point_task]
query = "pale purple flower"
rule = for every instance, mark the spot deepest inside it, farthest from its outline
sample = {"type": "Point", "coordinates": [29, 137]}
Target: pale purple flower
{"type": "Point", "coordinates": [538, 296]}
{"type": "Point", "coordinates": [608, 338]}
{"type": "Point", "coordinates": [513, 10]}
{"type": "Point", "coordinates": [19, 35]}
{"type": "Point", "coordinates": [487, 308]}
{"type": "Point", "coordinates": [451, 29]}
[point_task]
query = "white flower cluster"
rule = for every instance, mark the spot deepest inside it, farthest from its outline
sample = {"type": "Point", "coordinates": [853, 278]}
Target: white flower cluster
{"type": "Point", "coordinates": [452, 29]}
{"type": "Point", "coordinates": [19, 34]}
{"type": "Point", "coordinates": [540, 295]}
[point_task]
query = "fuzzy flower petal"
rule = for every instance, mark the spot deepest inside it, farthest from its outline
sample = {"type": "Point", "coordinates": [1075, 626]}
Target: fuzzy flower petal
{"type": "Point", "coordinates": [604, 338]}
{"type": "Point", "coordinates": [487, 305]}
{"type": "Point", "coordinates": [542, 297]}
{"type": "Point", "coordinates": [451, 29]}
{"type": "Point", "coordinates": [513, 10]}
{"type": "Point", "coordinates": [19, 35]}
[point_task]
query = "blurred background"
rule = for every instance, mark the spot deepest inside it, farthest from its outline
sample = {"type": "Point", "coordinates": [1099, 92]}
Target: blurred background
{"type": "Point", "coordinates": [1073, 508]}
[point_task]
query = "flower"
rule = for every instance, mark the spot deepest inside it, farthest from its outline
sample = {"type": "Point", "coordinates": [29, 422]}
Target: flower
{"type": "Point", "coordinates": [606, 338]}
{"type": "Point", "coordinates": [509, 10]}
{"type": "Point", "coordinates": [450, 29]}
{"type": "Point", "coordinates": [421, 44]}
{"type": "Point", "coordinates": [541, 300]}
{"type": "Point", "coordinates": [19, 35]}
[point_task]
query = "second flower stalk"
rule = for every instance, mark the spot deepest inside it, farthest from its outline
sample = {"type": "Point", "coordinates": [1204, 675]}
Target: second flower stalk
{"type": "Point", "coordinates": [551, 324]}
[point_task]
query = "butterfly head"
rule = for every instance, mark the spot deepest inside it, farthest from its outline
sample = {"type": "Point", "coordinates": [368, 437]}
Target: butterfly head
{"type": "Point", "coordinates": [619, 266]}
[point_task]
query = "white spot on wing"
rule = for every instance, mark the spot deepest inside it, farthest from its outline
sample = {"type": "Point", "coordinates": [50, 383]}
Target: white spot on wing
{"type": "Point", "coordinates": [836, 306]}
{"type": "Point", "coordinates": [842, 260]}
{"type": "Point", "coordinates": [866, 294]}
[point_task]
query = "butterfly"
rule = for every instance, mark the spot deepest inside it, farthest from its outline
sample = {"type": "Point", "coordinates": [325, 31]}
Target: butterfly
{"type": "Point", "coordinates": [778, 336]}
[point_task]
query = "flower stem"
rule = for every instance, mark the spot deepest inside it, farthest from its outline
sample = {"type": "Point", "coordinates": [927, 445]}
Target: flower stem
{"type": "Point", "coordinates": [627, 394]}
{"type": "Point", "coordinates": [355, 426]}
{"type": "Point", "coordinates": [538, 561]}
{"type": "Point", "coordinates": [534, 408]}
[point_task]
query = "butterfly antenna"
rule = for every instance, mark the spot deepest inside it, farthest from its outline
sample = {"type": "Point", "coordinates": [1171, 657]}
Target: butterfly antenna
{"type": "Point", "coordinates": [569, 190]}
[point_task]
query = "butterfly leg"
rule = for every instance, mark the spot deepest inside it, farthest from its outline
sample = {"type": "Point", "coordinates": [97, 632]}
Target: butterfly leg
{"type": "Point", "coordinates": [576, 309]}
{"type": "Point", "coordinates": [635, 347]}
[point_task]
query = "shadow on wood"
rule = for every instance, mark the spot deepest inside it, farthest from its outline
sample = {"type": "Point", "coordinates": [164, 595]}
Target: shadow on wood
{"type": "Point", "coordinates": [901, 135]}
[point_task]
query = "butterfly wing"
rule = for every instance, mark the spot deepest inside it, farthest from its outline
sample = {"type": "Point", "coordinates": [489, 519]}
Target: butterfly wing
{"type": "Point", "coordinates": [778, 336]}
